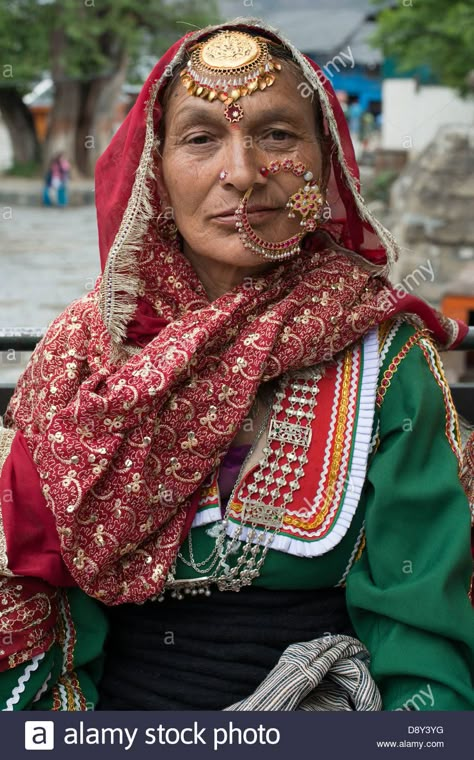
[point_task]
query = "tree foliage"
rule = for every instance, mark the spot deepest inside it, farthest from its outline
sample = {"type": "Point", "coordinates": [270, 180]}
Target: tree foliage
{"type": "Point", "coordinates": [86, 46]}
{"type": "Point", "coordinates": [23, 43]}
{"type": "Point", "coordinates": [436, 33]}
{"type": "Point", "coordinates": [94, 30]}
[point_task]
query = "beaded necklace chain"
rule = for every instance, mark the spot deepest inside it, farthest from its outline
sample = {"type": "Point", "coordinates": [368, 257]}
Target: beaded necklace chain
{"type": "Point", "coordinates": [260, 521]}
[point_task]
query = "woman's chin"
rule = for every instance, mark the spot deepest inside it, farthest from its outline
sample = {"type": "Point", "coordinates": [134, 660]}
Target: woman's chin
{"type": "Point", "coordinates": [232, 253]}
{"type": "Point", "coordinates": [239, 256]}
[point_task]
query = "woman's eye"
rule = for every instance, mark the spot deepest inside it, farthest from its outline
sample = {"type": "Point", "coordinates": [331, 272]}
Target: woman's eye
{"type": "Point", "coordinates": [279, 135]}
{"type": "Point", "coordinates": [198, 140]}
{"type": "Point", "coordinates": [276, 138]}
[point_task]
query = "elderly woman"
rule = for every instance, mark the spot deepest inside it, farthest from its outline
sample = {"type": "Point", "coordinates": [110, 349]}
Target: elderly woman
{"type": "Point", "coordinates": [244, 404]}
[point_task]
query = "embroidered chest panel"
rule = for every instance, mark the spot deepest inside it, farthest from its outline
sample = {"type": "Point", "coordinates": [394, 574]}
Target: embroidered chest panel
{"type": "Point", "coordinates": [306, 486]}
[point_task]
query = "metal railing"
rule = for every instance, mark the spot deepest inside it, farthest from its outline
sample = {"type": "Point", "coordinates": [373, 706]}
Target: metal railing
{"type": "Point", "coordinates": [26, 340]}
{"type": "Point", "coordinates": [20, 339]}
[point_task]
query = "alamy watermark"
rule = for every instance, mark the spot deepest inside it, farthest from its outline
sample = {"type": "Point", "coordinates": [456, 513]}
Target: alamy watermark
{"type": "Point", "coordinates": [342, 60]}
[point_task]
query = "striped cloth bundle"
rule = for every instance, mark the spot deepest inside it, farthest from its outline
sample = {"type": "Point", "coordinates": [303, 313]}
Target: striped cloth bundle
{"type": "Point", "coordinates": [326, 674]}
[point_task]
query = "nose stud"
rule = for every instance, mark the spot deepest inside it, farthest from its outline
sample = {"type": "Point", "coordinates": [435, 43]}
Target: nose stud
{"type": "Point", "coordinates": [223, 175]}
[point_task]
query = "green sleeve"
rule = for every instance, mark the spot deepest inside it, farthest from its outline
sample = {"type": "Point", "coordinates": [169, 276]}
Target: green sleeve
{"type": "Point", "coordinates": [407, 595]}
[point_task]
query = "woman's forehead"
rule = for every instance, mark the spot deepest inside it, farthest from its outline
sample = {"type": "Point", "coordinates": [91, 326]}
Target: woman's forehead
{"type": "Point", "coordinates": [283, 100]}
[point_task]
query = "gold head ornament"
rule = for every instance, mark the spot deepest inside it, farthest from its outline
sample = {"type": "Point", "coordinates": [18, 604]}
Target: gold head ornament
{"type": "Point", "coordinates": [227, 66]}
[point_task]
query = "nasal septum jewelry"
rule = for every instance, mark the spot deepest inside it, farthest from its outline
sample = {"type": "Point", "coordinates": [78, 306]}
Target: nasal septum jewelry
{"type": "Point", "coordinates": [308, 201]}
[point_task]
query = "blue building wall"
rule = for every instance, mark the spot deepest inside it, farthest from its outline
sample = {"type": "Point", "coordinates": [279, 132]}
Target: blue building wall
{"type": "Point", "coordinates": [356, 82]}
{"type": "Point", "coordinates": [423, 74]}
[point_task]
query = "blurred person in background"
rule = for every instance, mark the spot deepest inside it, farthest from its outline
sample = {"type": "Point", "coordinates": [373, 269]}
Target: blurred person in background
{"type": "Point", "coordinates": [55, 191]}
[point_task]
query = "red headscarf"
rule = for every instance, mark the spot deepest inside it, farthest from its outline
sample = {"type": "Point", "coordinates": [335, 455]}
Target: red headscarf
{"type": "Point", "coordinates": [128, 201]}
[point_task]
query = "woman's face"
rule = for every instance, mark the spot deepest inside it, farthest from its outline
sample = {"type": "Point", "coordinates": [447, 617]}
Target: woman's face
{"type": "Point", "coordinates": [200, 142]}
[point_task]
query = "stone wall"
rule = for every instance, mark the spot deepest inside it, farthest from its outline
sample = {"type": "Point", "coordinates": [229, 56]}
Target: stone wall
{"type": "Point", "coordinates": [432, 217]}
{"type": "Point", "coordinates": [432, 212]}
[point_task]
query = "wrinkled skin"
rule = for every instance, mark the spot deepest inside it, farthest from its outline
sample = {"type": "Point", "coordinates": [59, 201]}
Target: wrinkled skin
{"type": "Point", "coordinates": [200, 142]}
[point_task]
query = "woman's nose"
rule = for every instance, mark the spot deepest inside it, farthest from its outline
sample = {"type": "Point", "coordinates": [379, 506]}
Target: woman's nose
{"type": "Point", "coordinates": [242, 164]}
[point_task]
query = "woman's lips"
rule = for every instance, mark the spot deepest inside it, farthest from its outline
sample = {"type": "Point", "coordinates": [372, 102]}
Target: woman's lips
{"type": "Point", "coordinates": [254, 217]}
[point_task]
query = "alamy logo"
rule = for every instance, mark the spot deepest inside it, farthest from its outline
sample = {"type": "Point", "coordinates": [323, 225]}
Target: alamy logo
{"type": "Point", "coordinates": [39, 734]}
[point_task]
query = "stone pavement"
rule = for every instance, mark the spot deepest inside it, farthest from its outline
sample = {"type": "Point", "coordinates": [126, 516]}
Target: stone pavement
{"type": "Point", "coordinates": [48, 257]}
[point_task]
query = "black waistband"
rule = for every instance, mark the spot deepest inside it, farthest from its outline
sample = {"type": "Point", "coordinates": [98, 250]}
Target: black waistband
{"type": "Point", "coordinates": [204, 653]}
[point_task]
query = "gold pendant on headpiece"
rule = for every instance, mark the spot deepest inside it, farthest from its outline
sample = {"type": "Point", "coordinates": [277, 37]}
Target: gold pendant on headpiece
{"type": "Point", "coordinates": [228, 66]}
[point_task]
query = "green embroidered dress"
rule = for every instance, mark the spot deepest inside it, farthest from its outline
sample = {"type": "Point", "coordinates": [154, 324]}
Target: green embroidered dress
{"type": "Point", "coordinates": [400, 547]}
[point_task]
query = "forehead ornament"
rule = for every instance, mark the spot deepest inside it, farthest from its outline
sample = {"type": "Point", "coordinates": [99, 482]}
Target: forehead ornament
{"type": "Point", "coordinates": [228, 66]}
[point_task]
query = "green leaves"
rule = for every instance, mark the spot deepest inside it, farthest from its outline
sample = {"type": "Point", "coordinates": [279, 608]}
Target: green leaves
{"type": "Point", "coordinates": [83, 39]}
{"type": "Point", "coordinates": [432, 33]}
{"type": "Point", "coordinates": [24, 49]}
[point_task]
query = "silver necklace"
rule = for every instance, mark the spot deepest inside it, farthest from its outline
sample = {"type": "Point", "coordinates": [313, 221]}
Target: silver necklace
{"type": "Point", "coordinates": [260, 521]}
